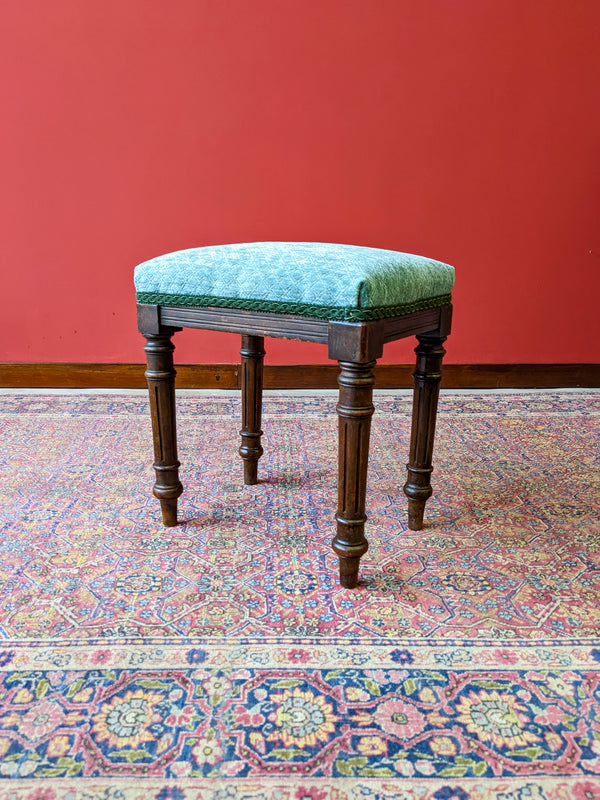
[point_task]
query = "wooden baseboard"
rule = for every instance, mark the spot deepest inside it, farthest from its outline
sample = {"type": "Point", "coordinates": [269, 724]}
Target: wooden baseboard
{"type": "Point", "coordinates": [298, 376]}
{"type": "Point", "coordinates": [112, 376]}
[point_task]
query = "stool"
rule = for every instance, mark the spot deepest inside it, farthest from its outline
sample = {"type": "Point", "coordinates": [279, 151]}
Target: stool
{"type": "Point", "coordinates": [354, 299]}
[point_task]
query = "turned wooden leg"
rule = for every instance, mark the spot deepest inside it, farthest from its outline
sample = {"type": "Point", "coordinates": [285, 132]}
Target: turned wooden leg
{"type": "Point", "coordinates": [355, 409]}
{"type": "Point", "coordinates": [252, 353]}
{"type": "Point", "coordinates": [161, 387]}
{"type": "Point", "coordinates": [427, 375]}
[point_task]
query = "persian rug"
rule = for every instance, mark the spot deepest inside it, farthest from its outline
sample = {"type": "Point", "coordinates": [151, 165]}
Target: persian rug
{"type": "Point", "coordinates": [220, 659]}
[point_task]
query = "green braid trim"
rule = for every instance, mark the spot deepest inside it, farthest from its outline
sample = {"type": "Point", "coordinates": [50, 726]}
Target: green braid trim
{"type": "Point", "coordinates": [341, 313]}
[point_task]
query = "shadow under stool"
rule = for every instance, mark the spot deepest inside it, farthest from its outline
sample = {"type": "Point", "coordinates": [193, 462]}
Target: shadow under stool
{"type": "Point", "coordinates": [354, 299]}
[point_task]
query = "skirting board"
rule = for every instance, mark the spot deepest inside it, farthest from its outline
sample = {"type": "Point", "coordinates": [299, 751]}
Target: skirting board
{"type": "Point", "coordinates": [297, 376]}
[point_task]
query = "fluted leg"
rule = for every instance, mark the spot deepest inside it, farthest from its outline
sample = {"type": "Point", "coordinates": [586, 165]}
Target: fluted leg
{"type": "Point", "coordinates": [427, 375]}
{"type": "Point", "coordinates": [252, 353]}
{"type": "Point", "coordinates": [355, 409]}
{"type": "Point", "coordinates": [161, 387]}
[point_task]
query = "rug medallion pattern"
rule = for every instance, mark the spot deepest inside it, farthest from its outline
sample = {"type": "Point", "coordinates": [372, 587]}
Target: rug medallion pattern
{"type": "Point", "coordinates": [220, 659]}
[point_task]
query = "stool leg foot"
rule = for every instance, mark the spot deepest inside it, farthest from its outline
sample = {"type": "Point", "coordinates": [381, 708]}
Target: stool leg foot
{"type": "Point", "coordinates": [169, 512]}
{"type": "Point", "coordinates": [416, 511]}
{"type": "Point", "coordinates": [250, 473]}
{"type": "Point", "coordinates": [161, 387]}
{"type": "Point", "coordinates": [355, 409]}
{"type": "Point", "coordinates": [252, 353]}
{"type": "Point", "coordinates": [349, 572]}
{"type": "Point", "coordinates": [427, 375]}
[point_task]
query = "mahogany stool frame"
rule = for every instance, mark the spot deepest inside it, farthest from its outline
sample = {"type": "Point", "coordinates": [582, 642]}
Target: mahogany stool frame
{"type": "Point", "coordinates": [356, 346]}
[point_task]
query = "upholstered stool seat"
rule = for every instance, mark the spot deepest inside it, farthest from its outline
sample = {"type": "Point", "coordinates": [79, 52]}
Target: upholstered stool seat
{"type": "Point", "coordinates": [325, 281]}
{"type": "Point", "coordinates": [354, 299]}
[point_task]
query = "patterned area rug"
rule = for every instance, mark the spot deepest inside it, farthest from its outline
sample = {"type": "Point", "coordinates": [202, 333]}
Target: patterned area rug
{"type": "Point", "coordinates": [220, 659]}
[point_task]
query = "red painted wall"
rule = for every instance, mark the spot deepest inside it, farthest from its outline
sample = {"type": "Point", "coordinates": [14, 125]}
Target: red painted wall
{"type": "Point", "coordinates": [467, 130]}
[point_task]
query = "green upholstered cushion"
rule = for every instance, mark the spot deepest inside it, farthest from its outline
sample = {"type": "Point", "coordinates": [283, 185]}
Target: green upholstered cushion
{"type": "Point", "coordinates": [314, 279]}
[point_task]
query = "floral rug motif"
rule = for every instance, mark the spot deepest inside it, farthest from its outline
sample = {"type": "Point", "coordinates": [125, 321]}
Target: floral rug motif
{"type": "Point", "coordinates": [220, 659]}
